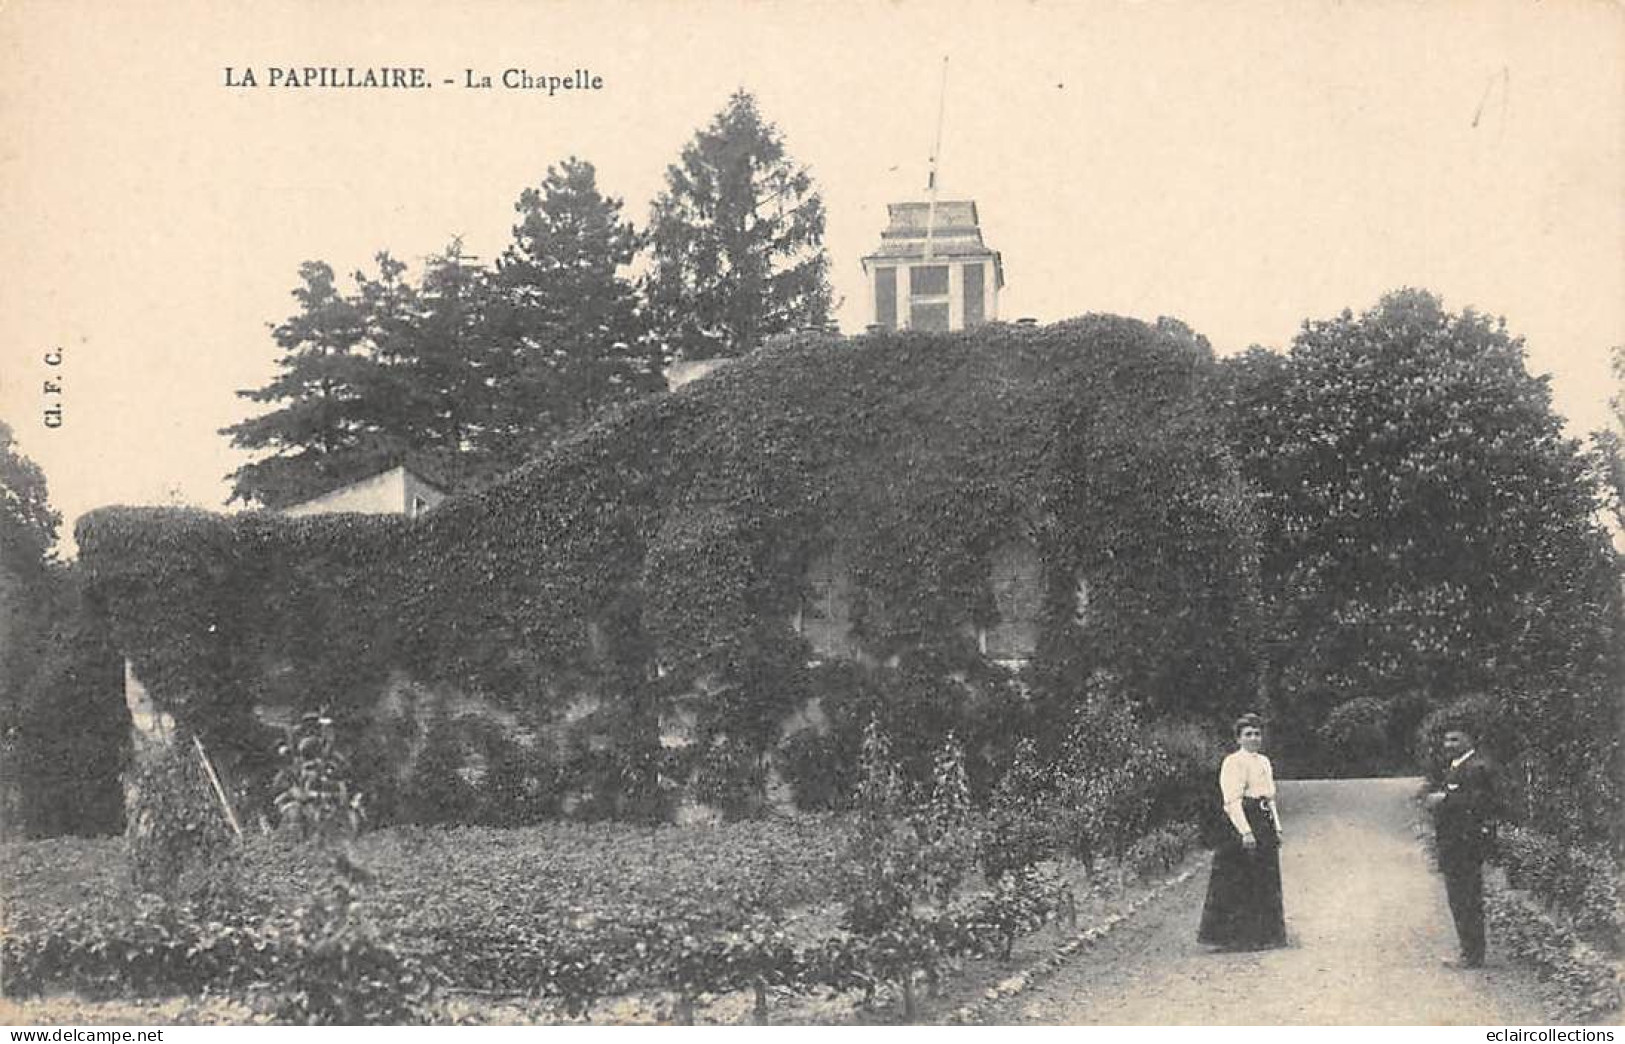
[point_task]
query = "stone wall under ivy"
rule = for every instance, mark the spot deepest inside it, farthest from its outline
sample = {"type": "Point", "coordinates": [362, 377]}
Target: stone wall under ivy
{"type": "Point", "coordinates": [651, 567]}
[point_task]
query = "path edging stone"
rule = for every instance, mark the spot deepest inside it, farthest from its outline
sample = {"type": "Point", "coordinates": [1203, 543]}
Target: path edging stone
{"type": "Point", "coordinates": [1005, 989]}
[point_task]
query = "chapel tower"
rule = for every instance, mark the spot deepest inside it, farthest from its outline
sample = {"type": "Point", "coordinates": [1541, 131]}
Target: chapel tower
{"type": "Point", "coordinates": [932, 271]}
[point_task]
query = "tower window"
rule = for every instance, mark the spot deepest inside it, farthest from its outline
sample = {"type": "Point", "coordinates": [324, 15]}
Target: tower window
{"type": "Point", "coordinates": [928, 315]}
{"type": "Point", "coordinates": [886, 298]}
{"type": "Point", "coordinates": [928, 297]}
{"type": "Point", "coordinates": [928, 281]}
{"type": "Point", "coordinates": [974, 312]}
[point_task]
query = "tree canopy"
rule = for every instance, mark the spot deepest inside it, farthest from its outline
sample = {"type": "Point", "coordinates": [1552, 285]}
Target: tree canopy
{"type": "Point", "coordinates": [466, 371]}
{"type": "Point", "coordinates": [28, 523]}
{"type": "Point", "coordinates": [63, 725]}
{"type": "Point", "coordinates": [324, 428]}
{"type": "Point", "coordinates": [569, 325]}
{"type": "Point", "coordinates": [1428, 530]}
{"type": "Point", "coordinates": [471, 369]}
{"type": "Point", "coordinates": [736, 240]}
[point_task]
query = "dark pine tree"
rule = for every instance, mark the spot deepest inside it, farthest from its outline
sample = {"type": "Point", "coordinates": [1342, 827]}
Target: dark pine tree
{"type": "Point", "coordinates": [569, 333]}
{"type": "Point", "coordinates": [447, 368]}
{"type": "Point", "coordinates": [737, 240]}
{"type": "Point", "coordinates": [318, 435]}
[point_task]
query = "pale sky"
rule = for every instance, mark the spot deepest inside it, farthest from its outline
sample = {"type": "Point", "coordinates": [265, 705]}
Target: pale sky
{"type": "Point", "coordinates": [1243, 167]}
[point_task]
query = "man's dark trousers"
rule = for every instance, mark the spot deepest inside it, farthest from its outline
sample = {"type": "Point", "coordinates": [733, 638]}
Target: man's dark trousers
{"type": "Point", "coordinates": [1464, 886]}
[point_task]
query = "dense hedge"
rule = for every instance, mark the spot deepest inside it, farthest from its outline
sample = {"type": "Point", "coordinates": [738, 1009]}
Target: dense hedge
{"type": "Point", "coordinates": [654, 560]}
{"type": "Point", "coordinates": [1583, 885]}
{"type": "Point", "coordinates": [64, 728]}
{"type": "Point", "coordinates": [1586, 983]}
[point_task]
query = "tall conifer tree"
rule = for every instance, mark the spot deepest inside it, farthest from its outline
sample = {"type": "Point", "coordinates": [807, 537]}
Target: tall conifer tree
{"type": "Point", "coordinates": [318, 435]}
{"type": "Point", "coordinates": [570, 332]}
{"type": "Point", "coordinates": [737, 240]}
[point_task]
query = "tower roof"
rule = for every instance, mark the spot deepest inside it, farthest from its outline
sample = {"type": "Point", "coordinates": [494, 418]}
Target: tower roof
{"type": "Point", "coordinates": [954, 231]}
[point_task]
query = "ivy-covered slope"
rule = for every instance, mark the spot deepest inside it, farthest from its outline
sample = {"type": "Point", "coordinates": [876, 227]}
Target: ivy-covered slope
{"type": "Point", "coordinates": [669, 541]}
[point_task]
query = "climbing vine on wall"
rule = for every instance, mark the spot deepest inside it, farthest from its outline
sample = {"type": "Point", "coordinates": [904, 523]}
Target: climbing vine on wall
{"type": "Point", "coordinates": [654, 562]}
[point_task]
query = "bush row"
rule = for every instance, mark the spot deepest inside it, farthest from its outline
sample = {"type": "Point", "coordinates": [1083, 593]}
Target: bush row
{"type": "Point", "coordinates": [1587, 984]}
{"type": "Point", "coordinates": [1581, 884]}
{"type": "Point", "coordinates": [326, 968]}
{"type": "Point", "coordinates": [617, 910]}
{"type": "Point", "coordinates": [320, 963]}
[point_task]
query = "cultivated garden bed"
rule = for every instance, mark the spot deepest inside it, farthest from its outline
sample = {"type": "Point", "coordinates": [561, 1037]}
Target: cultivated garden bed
{"type": "Point", "coordinates": [607, 923]}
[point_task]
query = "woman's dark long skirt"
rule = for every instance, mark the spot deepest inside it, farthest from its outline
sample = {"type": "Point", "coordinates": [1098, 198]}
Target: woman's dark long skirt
{"type": "Point", "coordinates": [1243, 909]}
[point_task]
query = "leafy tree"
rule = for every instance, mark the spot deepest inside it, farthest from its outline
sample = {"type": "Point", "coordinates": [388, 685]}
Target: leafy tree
{"type": "Point", "coordinates": [737, 240]}
{"type": "Point", "coordinates": [28, 524]}
{"type": "Point", "coordinates": [1428, 527]}
{"type": "Point", "coordinates": [28, 528]}
{"type": "Point", "coordinates": [318, 434]}
{"type": "Point", "coordinates": [1610, 445]}
{"type": "Point", "coordinates": [566, 319]}
{"type": "Point", "coordinates": [63, 724]}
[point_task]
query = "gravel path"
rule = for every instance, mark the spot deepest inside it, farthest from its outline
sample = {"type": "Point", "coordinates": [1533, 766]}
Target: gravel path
{"type": "Point", "coordinates": [1367, 921]}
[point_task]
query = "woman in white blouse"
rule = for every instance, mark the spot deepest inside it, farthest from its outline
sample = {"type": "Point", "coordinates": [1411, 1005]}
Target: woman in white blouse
{"type": "Point", "coordinates": [1243, 909]}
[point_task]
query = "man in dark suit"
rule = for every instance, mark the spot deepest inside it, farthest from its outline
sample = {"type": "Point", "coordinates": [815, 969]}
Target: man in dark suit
{"type": "Point", "coordinates": [1464, 811]}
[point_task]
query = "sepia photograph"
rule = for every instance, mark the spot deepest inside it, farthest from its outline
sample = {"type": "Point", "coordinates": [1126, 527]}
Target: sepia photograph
{"type": "Point", "coordinates": [843, 513]}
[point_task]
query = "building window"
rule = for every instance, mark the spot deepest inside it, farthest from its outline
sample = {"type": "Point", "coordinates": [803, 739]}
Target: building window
{"type": "Point", "coordinates": [974, 311]}
{"type": "Point", "coordinates": [928, 281]}
{"type": "Point", "coordinates": [928, 297]}
{"type": "Point", "coordinates": [886, 298]}
{"type": "Point", "coordinates": [825, 616]}
{"type": "Point", "coordinates": [1017, 578]}
{"type": "Point", "coordinates": [928, 315]}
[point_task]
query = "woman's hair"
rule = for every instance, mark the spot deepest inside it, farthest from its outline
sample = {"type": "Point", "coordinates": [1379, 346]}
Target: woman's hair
{"type": "Point", "coordinates": [1248, 721]}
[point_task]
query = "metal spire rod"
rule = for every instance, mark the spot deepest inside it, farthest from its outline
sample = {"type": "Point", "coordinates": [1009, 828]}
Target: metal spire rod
{"type": "Point", "coordinates": [936, 152]}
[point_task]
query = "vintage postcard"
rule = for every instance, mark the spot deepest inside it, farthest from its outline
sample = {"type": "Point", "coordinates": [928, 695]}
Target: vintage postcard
{"type": "Point", "coordinates": [707, 511]}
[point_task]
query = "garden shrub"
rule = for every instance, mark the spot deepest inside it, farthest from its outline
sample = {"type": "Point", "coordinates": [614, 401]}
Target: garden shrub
{"type": "Point", "coordinates": [1159, 851]}
{"type": "Point", "coordinates": [1021, 828]}
{"type": "Point", "coordinates": [1355, 737]}
{"type": "Point", "coordinates": [314, 796]}
{"type": "Point", "coordinates": [336, 969]}
{"type": "Point", "coordinates": [820, 777]}
{"type": "Point", "coordinates": [1107, 777]}
{"type": "Point", "coordinates": [1583, 884]}
{"type": "Point", "coordinates": [1188, 791]}
{"type": "Point", "coordinates": [946, 824]}
{"type": "Point", "coordinates": [886, 855]}
{"type": "Point", "coordinates": [1587, 983]}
